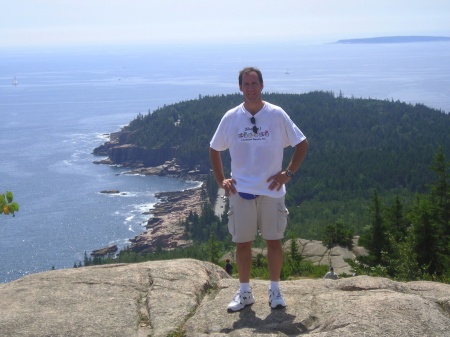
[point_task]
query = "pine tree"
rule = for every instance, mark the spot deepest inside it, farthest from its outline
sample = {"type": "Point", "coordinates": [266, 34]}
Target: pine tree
{"type": "Point", "coordinates": [213, 249]}
{"type": "Point", "coordinates": [426, 232]}
{"type": "Point", "coordinates": [377, 238]}
{"type": "Point", "coordinates": [295, 258]}
{"type": "Point", "coordinates": [440, 192]}
{"type": "Point", "coordinates": [436, 212]}
{"type": "Point", "coordinates": [407, 268]}
{"type": "Point", "coordinates": [337, 235]}
{"type": "Point", "coordinates": [395, 220]}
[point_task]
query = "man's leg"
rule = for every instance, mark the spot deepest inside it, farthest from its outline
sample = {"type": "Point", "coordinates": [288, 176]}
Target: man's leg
{"type": "Point", "coordinates": [275, 262]}
{"type": "Point", "coordinates": [244, 260]}
{"type": "Point", "coordinates": [242, 225]}
{"type": "Point", "coordinates": [244, 295]}
{"type": "Point", "coordinates": [274, 258]}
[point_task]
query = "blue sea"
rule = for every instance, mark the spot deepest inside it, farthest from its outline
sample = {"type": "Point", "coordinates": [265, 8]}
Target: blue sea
{"type": "Point", "coordinates": [66, 101]}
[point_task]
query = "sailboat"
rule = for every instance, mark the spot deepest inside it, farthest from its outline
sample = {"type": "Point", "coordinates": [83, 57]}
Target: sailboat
{"type": "Point", "coordinates": [15, 82]}
{"type": "Point", "coordinates": [287, 72]}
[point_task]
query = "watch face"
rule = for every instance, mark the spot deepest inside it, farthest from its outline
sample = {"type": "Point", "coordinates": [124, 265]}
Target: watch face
{"type": "Point", "coordinates": [289, 173]}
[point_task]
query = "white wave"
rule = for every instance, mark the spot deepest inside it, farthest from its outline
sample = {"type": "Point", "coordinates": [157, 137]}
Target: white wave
{"type": "Point", "coordinates": [119, 242]}
{"type": "Point", "coordinates": [102, 136]}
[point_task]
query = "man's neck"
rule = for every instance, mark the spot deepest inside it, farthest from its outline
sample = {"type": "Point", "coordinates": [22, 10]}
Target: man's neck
{"type": "Point", "coordinates": [253, 107]}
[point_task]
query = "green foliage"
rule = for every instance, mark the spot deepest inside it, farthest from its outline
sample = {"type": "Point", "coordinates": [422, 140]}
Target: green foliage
{"type": "Point", "coordinates": [292, 265]}
{"type": "Point", "coordinates": [356, 146]}
{"type": "Point", "coordinates": [414, 244]}
{"type": "Point", "coordinates": [337, 234]}
{"type": "Point", "coordinates": [364, 154]}
{"type": "Point", "coordinates": [260, 268]}
{"type": "Point", "coordinates": [213, 250]}
{"type": "Point", "coordinates": [377, 241]}
{"type": "Point", "coordinates": [7, 205]}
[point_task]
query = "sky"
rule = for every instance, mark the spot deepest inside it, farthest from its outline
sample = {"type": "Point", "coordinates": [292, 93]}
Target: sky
{"type": "Point", "coordinates": [86, 22]}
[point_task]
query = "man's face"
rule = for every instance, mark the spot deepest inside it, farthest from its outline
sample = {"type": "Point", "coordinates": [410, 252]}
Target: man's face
{"type": "Point", "coordinates": [251, 87]}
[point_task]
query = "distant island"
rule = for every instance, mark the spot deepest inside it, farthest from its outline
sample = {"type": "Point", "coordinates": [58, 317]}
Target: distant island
{"type": "Point", "coordinates": [396, 39]}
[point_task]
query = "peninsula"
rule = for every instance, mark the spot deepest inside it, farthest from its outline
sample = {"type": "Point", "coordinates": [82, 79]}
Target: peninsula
{"type": "Point", "coordinates": [396, 39]}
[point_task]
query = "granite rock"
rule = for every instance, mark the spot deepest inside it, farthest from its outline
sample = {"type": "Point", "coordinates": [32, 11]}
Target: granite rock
{"type": "Point", "coordinates": [187, 297]}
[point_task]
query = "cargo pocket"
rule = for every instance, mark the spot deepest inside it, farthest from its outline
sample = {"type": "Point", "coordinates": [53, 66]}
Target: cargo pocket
{"type": "Point", "coordinates": [231, 221]}
{"type": "Point", "coordinates": [282, 218]}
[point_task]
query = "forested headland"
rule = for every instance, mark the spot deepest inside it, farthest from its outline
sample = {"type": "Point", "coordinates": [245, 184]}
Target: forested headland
{"type": "Point", "coordinates": [367, 160]}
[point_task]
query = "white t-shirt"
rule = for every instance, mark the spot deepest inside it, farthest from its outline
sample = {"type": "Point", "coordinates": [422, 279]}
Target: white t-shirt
{"type": "Point", "coordinates": [256, 157]}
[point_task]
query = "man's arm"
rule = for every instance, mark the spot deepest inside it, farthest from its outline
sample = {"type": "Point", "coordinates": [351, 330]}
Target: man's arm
{"type": "Point", "coordinates": [277, 180]}
{"type": "Point", "coordinates": [216, 163]}
{"type": "Point", "coordinates": [298, 156]}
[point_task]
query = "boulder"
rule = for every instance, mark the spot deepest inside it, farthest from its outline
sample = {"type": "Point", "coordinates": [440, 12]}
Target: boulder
{"type": "Point", "coordinates": [107, 251]}
{"type": "Point", "coordinates": [187, 297]}
{"type": "Point", "coordinates": [315, 252]}
{"type": "Point", "coordinates": [110, 191]}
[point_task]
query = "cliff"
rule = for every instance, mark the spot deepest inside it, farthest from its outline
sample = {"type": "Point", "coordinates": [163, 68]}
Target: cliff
{"type": "Point", "coordinates": [148, 161]}
{"type": "Point", "coordinates": [188, 298]}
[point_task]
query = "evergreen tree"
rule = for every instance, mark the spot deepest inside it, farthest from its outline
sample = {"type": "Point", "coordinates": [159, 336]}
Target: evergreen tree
{"type": "Point", "coordinates": [337, 235]}
{"type": "Point", "coordinates": [395, 221]}
{"type": "Point", "coordinates": [377, 238]}
{"type": "Point", "coordinates": [87, 261]}
{"type": "Point", "coordinates": [295, 258]}
{"type": "Point", "coordinates": [426, 233]}
{"type": "Point", "coordinates": [213, 249]}
{"type": "Point", "coordinates": [440, 193]}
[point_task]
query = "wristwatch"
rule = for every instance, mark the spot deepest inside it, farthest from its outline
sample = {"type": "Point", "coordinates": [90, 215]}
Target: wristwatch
{"type": "Point", "coordinates": [289, 173]}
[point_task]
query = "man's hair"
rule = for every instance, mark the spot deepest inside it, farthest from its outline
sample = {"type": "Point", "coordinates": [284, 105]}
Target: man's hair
{"type": "Point", "coordinates": [248, 70]}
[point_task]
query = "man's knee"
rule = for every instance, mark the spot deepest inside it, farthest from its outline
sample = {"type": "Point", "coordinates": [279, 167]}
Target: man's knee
{"type": "Point", "coordinates": [244, 245]}
{"type": "Point", "coordinates": [273, 244]}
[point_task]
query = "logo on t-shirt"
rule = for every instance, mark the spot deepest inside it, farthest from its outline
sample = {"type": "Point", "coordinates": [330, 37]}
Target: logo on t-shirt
{"type": "Point", "coordinates": [248, 134]}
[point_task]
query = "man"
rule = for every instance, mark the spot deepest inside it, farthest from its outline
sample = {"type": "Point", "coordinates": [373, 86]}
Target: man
{"type": "Point", "coordinates": [229, 267]}
{"type": "Point", "coordinates": [331, 275]}
{"type": "Point", "coordinates": [256, 132]}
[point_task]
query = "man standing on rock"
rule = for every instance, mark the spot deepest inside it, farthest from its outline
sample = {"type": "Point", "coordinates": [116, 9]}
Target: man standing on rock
{"type": "Point", "coordinates": [331, 275]}
{"type": "Point", "coordinates": [256, 133]}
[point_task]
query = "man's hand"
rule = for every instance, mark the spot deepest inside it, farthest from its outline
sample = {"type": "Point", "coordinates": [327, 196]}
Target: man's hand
{"type": "Point", "coordinates": [228, 186]}
{"type": "Point", "coordinates": [278, 180]}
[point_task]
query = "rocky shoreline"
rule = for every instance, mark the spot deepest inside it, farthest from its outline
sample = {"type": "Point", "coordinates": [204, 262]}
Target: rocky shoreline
{"type": "Point", "coordinates": [163, 229]}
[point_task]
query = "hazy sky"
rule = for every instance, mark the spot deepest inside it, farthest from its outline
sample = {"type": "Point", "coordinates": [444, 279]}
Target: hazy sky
{"type": "Point", "coordinates": [70, 22]}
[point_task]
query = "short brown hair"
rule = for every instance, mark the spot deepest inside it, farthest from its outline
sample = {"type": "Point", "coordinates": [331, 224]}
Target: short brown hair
{"type": "Point", "coordinates": [248, 70]}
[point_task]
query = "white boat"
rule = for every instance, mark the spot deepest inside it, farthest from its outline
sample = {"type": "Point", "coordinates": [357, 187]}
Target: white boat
{"type": "Point", "coordinates": [15, 82]}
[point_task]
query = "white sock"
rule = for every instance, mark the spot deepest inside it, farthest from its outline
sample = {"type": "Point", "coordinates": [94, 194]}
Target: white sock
{"type": "Point", "coordinates": [274, 285]}
{"type": "Point", "coordinates": [244, 287]}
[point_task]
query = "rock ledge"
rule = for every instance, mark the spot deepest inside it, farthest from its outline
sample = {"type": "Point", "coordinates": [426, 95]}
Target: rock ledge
{"type": "Point", "coordinates": [164, 297]}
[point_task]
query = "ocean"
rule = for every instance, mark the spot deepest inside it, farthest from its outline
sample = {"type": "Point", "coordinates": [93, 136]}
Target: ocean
{"type": "Point", "coordinates": [57, 105]}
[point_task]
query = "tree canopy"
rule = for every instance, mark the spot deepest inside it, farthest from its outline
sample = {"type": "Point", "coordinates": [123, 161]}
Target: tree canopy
{"type": "Point", "coordinates": [356, 145]}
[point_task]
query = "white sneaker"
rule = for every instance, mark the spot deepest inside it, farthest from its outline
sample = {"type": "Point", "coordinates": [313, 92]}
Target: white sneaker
{"type": "Point", "coordinates": [276, 300]}
{"type": "Point", "coordinates": [240, 301]}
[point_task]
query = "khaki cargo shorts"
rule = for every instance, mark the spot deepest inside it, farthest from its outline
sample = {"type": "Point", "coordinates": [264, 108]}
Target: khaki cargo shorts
{"type": "Point", "coordinates": [266, 214]}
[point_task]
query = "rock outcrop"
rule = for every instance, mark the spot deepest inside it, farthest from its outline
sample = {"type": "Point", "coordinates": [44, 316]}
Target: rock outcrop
{"type": "Point", "coordinates": [148, 161]}
{"type": "Point", "coordinates": [315, 252]}
{"type": "Point", "coordinates": [107, 251]}
{"type": "Point", "coordinates": [163, 230]}
{"type": "Point", "coordinates": [121, 151]}
{"type": "Point", "coordinates": [188, 298]}
{"type": "Point", "coordinates": [318, 254]}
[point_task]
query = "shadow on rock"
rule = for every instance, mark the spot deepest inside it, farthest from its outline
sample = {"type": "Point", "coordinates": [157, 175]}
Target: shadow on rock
{"type": "Point", "coordinates": [278, 320]}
